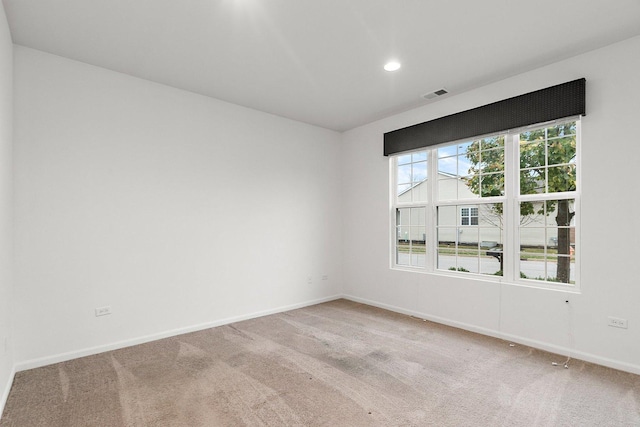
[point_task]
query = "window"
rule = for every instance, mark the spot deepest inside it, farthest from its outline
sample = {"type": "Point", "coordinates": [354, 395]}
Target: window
{"type": "Point", "coordinates": [469, 216]}
{"type": "Point", "coordinates": [409, 207]}
{"type": "Point", "coordinates": [500, 205]}
{"type": "Point", "coordinates": [470, 172]}
{"type": "Point", "coordinates": [547, 203]}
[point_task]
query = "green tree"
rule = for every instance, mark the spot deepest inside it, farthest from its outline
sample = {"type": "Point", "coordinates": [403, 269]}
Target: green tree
{"type": "Point", "coordinates": [547, 165]}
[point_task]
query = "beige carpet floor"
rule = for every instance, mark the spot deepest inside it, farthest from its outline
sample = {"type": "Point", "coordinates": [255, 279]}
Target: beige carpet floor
{"type": "Point", "coordinates": [333, 364]}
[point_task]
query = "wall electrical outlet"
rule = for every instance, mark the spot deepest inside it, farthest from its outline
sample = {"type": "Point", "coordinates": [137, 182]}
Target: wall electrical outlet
{"type": "Point", "coordinates": [616, 322]}
{"type": "Point", "coordinates": [103, 311]}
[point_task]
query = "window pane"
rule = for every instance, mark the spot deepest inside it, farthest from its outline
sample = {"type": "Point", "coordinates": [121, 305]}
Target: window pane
{"type": "Point", "coordinates": [490, 238]}
{"type": "Point", "coordinates": [447, 167]}
{"type": "Point", "coordinates": [416, 235]}
{"type": "Point", "coordinates": [559, 213]}
{"type": "Point", "coordinates": [562, 178]}
{"type": "Point", "coordinates": [418, 248]}
{"type": "Point", "coordinates": [468, 237]}
{"type": "Point", "coordinates": [468, 260]}
{"type": "Point", "coordinates": [403, 217]}
{"type": "Point", "coordinates": [493, 160]}
{"type": "Point", "coordinates": [492, 185]}
{"type": "Point", "coordinates": [533, 181]}
{"type": "Point", "coordinates": [563, 129]}
{"type": "Point", "coordinates": [491, 257]}
{"type": "Point", "coordinates": [463, 147]}
{"type": "Point", "coordinates": [402, 246]}
{"type": "Point", "coordinates": [419, 171]}
{"type": "Point", "coordinates": [492, 142]}
{"type": "Point", "coordinates": [403, 235]}
{"type": "Point", "coordinates": [533, 266]}
{"type": "Point", "coordinates": [532, 155]}
{"type": "Point", "coordinates": [464, 166]}
{"type": "Point", "coordinates": [404, 159]}
{"type": "Point", "coordinates": [471, 188]}
{"type": "Point", "coordinates": [447, 189]}
{"type": "Point", "coordinates": [419, 192]}
{"type": "Point", "coordinates": [491, 215]}
{"type": "Point", "coordinates": [404, 195]}
{"type": "Point", "coordinates": [419, 157]}
{"type": "Point", "coordinates": [532, 135]}
{"type": "Point", "coordinates": [404, 174]}
{"type": "Point", "coordinates": [562, 150]}
{"type": "Point", "coordinates": [418, 217]}
{"type": "Point", "coordinates": [448, 150]}
{"type": "Point", "coordinates": [565, 269]}
{"type": "Point", "coordinates": [447, 248]}
{"type": "Point", "coordinates": [447, 215]}
{"type": "Point", "coordinates": [418, 257]}
{"type": "Point", "coordinates": [533, 240]}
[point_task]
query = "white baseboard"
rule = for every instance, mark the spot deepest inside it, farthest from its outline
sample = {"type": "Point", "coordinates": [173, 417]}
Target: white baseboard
{"type": "Point", "coordinates": [587, 357]}
{"type": "Point", "coordinates": [7, 389]}
{"type": "Point", "coordinates": [49, 360]}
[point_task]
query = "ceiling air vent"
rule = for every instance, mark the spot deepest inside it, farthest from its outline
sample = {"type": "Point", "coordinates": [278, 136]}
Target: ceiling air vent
{"type": "Point", "coordinates": [435, 93]}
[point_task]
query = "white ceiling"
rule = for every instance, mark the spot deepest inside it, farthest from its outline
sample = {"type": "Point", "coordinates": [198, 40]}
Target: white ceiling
{"type": "Point", "coordinates": [320, 61]}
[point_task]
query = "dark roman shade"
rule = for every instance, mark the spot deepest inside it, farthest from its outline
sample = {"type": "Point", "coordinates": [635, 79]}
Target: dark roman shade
{"type": "Point", "coordinates": [555, 102]}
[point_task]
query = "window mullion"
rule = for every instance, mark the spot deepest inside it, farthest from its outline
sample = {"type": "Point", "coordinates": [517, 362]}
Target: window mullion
{"type": "Point", "coordinates": [432, 236]}
{"type": "Point", "coordinates": [511, 216]}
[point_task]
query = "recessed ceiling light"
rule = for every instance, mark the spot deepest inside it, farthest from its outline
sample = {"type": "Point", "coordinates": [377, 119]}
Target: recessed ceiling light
{"type": "Point", "coordinates": [392, 66]}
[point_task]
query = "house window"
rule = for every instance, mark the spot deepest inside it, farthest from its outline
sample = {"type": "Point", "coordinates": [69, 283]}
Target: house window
{"type": "Point", "coordinates": [469, 216]}
{"type": "Point", "coordinates": [502, 205]}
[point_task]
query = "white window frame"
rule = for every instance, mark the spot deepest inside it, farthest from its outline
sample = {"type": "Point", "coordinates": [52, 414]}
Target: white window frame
{"type": "Point", "coordinates": [511, 206]}
{"type": "Point", "coordinates": [395, 204]}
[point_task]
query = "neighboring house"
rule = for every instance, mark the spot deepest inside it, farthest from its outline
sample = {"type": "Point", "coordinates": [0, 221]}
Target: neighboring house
{"type": "Point", "coordinates": [470, 224]}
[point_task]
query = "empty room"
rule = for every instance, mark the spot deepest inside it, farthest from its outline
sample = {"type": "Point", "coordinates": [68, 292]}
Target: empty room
{"type": "Point", "coordinates": [319, 213]}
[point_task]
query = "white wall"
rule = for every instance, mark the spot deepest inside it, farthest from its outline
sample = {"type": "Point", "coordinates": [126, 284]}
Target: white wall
{"type": "Point", "coordinates": [610, 284]}
{"type": "Point", "coordinates": [176, 210]}
{"type": "Point", "coordinates": [6, 208]}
